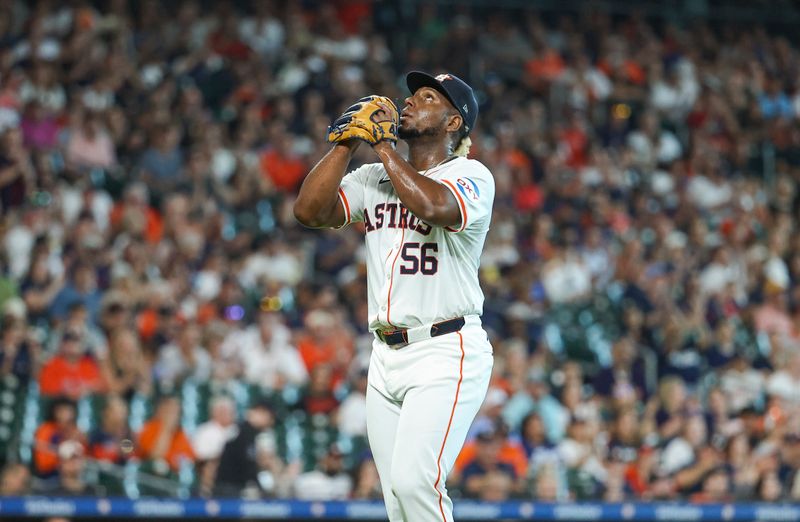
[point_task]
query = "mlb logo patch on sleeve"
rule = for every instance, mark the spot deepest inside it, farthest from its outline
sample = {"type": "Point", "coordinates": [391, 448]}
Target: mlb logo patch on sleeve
{"type": "Point", "coordinates": [468, 188]}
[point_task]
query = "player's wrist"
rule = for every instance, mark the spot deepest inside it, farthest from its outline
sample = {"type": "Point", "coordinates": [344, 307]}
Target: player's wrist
{"type": "Point", "coordinates": [347, 146]}
{"type": "Point", "coordinates": [383, 146]}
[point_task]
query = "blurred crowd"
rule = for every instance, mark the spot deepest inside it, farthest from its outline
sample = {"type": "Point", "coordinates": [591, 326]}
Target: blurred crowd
{"type": "Point", "coordinates": [641, 273]}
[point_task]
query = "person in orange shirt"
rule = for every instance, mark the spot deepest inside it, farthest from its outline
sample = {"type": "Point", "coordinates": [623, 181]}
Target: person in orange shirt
{"type": "Point", "coordinates": [281, 165]}
{"type": "Point", "coordinates": [60, 426]}
{"type": "Point", "coordinates": [71, 372]}
{"type": "Point", "coordinates": [135, 215]}
{"type": "Point", "coordinates": [162, 439]}
{"type": "Point", "coordinates": [510, 452]}
{"type": "Point", "coordinates": [325, 343]}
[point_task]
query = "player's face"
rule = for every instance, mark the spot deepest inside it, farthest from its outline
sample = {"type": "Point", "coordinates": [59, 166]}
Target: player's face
{"type": "Point", "coordinates": [426, 113]}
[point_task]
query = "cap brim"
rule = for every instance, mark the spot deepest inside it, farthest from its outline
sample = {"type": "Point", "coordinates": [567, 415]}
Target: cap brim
{"type": "Point", "coordinates": [418, 79]}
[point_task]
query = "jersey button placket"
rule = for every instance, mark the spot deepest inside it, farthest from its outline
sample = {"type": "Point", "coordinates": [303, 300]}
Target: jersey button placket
{"type": "Point", "coordinates": [390, 258]}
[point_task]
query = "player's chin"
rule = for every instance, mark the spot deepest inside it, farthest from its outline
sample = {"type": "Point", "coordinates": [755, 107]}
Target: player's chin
{"type": "Point", "coordinates": [405, 132]}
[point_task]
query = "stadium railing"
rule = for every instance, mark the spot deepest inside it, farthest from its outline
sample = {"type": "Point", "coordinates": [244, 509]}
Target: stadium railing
{"type": "Point", "coordinates": [220, 509]}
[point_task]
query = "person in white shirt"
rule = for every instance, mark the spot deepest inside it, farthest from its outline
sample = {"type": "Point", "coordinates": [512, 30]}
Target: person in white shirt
{"type": "Point", "coordinates": [266, 354]}
{"type": "Point", "coordinates": [210, 437]}
{"type": "Point", "coordinates": [328, 482]}
{"type": "Point", "coordinates": [353, 410]}
{"type": "Point", "coordinates": [785, 383]}
{"type": "Point", "coordinates": [183, 359]}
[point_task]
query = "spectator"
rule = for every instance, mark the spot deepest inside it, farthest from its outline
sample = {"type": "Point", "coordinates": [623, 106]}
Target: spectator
{"type": "Point", "coordinates": [162, 163]}
{"type": "Point", "coordinates": [275, 476]}
{"type": "Point", "coordinates": [266, 355]}
{"type": "Point", "coordinates": [534, 438]}
{"type": "Point", "coordinates": [323, 344]}
{"type": "Point", "coordinates": [182, 359]}
{"type": "Point", "coordinates": [161, 441]}
{"type": "Point", "coordinates": [238, 468]}
{"type": "Point", "coordinates": [112, 441]}
{"type": "Point", "coordinates": [624, 381]}
{"type": "Point", "coordinates": [510, 452]}
{"type": "Point", "coordinates": [318, 396]}
{"type": "Point", "coordinates": [82, 288]}
{"type": "Point", "coordinates": [366, 482]}
{"type": "Point", "coordinates": [59, 427]}
{"type": "Point", "coordinates": [18, 355]}
{"type": "Point", "coordinates": [71, 372]}
{"type": "Point", "coordinates": [742, 384]}
{"type": "Point", "coordinates": [39, 129]}
{"type": "Point", "coordinates": [582, 460]}
{"type": "Point", "coordinates": [769, 488]}
{"type": "Point", "coordinates": [487, 476]}
{"type": "Point", "coordinates": [784, 384]}
{"type": "Point", "coordinates": [537, 397]}
{"type": "Point", "coordinates": [15, 480]}
{"type": "Point", "coordinates": [209, 438]}
{"type": "Point", "coordinates": [77, 320]}
{"type": "Point", "coordinates": [353, 410]}
{"type": "Point", "coordinates": [128, 371]}
{"type": "Point", "coordinates": [70, 481]}
{"type": "Point", "coordinates": [328, 481]}
{"type": "Point", "coordinates": [282, 164]}
{"type": "Point", "coordinates": [89, 144]}
{"type": "Point", "coordinates": [716, 487]}
{"type": "Point", "coordinates": [39, 288]}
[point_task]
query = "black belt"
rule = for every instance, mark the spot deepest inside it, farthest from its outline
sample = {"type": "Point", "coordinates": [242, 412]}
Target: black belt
{"type": "Point", "coordinates": [394, 337]}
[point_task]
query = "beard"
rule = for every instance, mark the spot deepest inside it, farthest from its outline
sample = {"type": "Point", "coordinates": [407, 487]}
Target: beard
{"type": "Point", "coordinates": [404, 133]}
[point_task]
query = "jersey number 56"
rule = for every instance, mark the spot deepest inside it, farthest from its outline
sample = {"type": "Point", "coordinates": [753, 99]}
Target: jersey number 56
{"type": "Point", "coordinates": [419, 257]}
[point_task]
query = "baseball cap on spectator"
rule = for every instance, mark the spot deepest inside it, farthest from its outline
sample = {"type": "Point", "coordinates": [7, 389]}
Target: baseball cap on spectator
{"type": "Point", "coordinates": [456, 90]}
{"type": "Point", "coordinates": [71, 335]}
{"type": "Point", "coordinates": [495, 397]}
{"type": "Point", "coordinates": [70, 449]}
{"type": "Point", "coordinates": [486, 433]}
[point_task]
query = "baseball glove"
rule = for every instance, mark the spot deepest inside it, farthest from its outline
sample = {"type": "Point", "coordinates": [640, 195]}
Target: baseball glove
{"type": "Point", "coordinates": [362, 121]}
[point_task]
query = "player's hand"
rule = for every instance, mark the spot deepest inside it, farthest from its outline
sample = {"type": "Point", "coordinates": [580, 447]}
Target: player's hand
{"type": "Point", "coordinates": [372, 119]}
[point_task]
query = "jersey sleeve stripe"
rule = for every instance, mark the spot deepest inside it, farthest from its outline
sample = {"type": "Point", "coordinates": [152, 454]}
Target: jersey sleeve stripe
{"type": "Point", "coordinates": [461, 204]}
{"type": "Point", "coordinates": [346, 205]}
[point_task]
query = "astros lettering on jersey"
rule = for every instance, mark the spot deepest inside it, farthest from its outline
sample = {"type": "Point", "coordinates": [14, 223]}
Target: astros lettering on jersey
{"type": "Point", "coordinates": [418, 274]}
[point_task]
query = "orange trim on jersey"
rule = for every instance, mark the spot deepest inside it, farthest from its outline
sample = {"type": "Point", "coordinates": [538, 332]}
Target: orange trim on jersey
{"type": "Point", "coordinates": [461, 203]}
{"type": "Point", "coordinates": [346, 206]}
{"type": "Point", "coordinates": [449, 423]}
{"type": "Point", "coordinates": [391, 280]}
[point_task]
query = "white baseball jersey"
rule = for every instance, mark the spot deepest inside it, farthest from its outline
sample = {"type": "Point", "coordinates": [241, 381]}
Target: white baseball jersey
{"type": "Point", "coordinates": [418, 274]}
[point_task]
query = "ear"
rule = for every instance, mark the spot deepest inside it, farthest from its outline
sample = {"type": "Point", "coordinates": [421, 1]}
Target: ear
{"type": "Point", "coordinates": [454, 122]}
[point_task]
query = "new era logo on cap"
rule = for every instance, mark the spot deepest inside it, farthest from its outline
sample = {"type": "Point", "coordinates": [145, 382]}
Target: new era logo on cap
{"type": "Point", "coordinates": [456, 90]}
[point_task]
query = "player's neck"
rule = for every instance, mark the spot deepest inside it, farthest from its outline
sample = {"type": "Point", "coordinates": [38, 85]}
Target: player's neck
{"type": "Point", "coordinates": [425, 156]}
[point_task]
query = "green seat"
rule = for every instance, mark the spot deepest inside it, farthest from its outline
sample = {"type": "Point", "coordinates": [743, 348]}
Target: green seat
{"type": "Point", "coordinates": [205, 394]}
{"type": "Point", "coordinates": [110, 484]}
{"type": "Point", "coordinates": [318, 435]}
{"type": "Point", "coordinates": [582, 485]}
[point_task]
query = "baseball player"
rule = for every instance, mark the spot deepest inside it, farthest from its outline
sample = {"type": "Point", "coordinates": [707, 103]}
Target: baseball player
{"type": "Point", "coordinates": [426, 218]}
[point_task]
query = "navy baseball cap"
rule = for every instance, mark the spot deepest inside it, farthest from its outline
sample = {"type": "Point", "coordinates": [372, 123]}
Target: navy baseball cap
{"type": "Point", "coordinates": [454, 89]}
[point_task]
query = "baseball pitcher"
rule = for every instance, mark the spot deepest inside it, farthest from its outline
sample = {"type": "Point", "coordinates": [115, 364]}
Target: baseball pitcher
{"type": "Point", "coordinates": [426, 219]}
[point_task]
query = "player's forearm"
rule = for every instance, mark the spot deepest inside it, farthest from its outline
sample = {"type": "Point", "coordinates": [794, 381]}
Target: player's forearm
{"type": "Point", "coordinates": [427, 199]}
{"type": "Point", "coordinates": [317, 203]}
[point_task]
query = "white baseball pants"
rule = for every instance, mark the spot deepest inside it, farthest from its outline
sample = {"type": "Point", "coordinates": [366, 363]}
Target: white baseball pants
{"type": "Point", "coordinates": [421, 401]}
